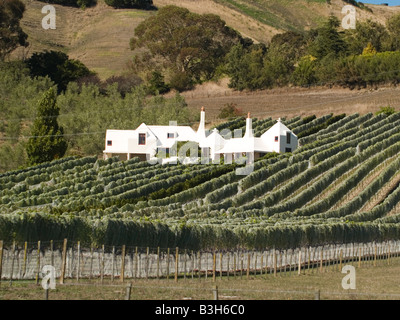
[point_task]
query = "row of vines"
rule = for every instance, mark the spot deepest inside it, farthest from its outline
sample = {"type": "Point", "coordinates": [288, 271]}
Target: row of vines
{"type": "Point", "coordinates": [315, 195]}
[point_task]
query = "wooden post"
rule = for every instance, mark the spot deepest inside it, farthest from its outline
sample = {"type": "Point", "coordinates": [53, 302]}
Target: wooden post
{"type": "Point", "coordinates": [359, 257]}
{"type": "Point", "coordinates": [262, 263]}
{"type": "Point", "coordinates": [215, 292]}
{"type": "Point", "coordinates": [321, 260]}
{"type": "Point", "coordinates": [102, 264]}
{"type": "Point", "coordinates": [64, 261]}
{"type": "Point", "coordinates": [275, 263]}
{"type": "Point", "coordinates": [79, 261]}
{"type": "Point", "coordinates": [299, 265]}
{"type": "Point", "coordinates": [136, 262]}
{"type": "Point", "coordinates": [38, 263]}
{"type": "Point", "coordinates": [167, 263]}
{"type": "Point", "coordinates": [227, 264]}
{"type": "Point", "coordinates": [220, 265]}
{"type": "Point", "coordinates": [234, 266]}
{"type": "Point", "coordinates": [184, 263]}
{"type": "Point", "coordinates": [91, 262]}
{"type": "Point", "coordinates": [340, 259]}
{"type": "Point", "coordinates": [248, 265]}
{"type": "Point", "coordinates": [12, 262]}
{"type": "Point", "coordinates": [193, 258]}
{"type": "Point", "coordinates": [146, 265]}
{"type": "Point", "coordinates": [176, 263]}
{"type": "Point", "coordinates": [375, 256]}
{"type": "Point", "coordinates": [25, 258]}
{"type": "Point", "coordinates": [255, 263]}
{"type": "Point", "coordinates": [128, 291]}
{"type": "Point", "coordinates": [122, 278]}
{"type": "Point", "coordinates": [199, 263]}
{"type": "Point", "coordinates": [158, 262]}
{"type": "Point", "coordinates": [214, 265]}
{"type": "Point", "coordinates": [112, 263]}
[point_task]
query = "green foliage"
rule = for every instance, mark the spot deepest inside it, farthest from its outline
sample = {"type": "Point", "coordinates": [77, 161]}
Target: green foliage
{"type": "Point", "coordinates": [73, 3]}
{"type": "Point", "coordinates": [388, 110]}
{"type": "Point", "coordinates": [188, 51]}
{"type": "Point", "coordinates": [58, 67]}
{"type": "Point", "coordinates": [47, 141]}
{"type": "Point", "coordinates": [135, 4]}
{"type": "Point", "coordinates": [11, 33]}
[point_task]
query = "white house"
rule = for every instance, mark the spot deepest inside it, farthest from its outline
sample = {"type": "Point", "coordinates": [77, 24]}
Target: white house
{"type": "Point", "coordinates": [147, 141]}
{"type": "Point", "coordinates": [278, 138]}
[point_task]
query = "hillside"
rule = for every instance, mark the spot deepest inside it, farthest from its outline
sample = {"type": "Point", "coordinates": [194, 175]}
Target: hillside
{"type": "Point", "coordinates": [99, 36]}
{"type": "Point", "coordinates": [341, 185]}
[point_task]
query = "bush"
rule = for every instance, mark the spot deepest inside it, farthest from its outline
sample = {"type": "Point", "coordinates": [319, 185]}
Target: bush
{"type": "Point", "coordinates": [136, 4]}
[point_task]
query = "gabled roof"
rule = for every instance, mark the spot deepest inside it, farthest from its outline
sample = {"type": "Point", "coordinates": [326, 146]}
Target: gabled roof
{"type": "Point", "coordinates": [278, 129]}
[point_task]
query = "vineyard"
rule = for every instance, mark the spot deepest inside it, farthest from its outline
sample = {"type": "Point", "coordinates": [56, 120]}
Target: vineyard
{"type": "Point", "coordinates": [342, 185]}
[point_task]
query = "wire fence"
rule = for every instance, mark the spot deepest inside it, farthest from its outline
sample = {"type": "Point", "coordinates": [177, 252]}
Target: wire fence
{"type": "Point", "coordinates": [71, 261]}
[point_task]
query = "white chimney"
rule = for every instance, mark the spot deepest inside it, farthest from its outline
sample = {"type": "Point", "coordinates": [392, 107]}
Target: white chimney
{"type": "Point", "coordinates": [201, 131]}
{"type": "Point", "coordinates": [249, 127]}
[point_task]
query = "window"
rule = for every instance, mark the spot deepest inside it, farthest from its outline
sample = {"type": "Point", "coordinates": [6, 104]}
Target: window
{"type": "Point", "coordinates": [288, 137]}
{"type": "Point", "coordinates": [109, 143]}
{"type": "Point", "coordinates": [170, 135]}
{"type": "Point", "coordinates": [276, 138]}
{"type": "Point", "coordinates": [142, 139]}
{"type": "Point", "coordinates": [288, 149]}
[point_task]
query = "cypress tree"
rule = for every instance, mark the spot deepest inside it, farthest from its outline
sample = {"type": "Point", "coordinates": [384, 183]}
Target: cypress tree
{"type": "Point", "coordinates": [47, 141]}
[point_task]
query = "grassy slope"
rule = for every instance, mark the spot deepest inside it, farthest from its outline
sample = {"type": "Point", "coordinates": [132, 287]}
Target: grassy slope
{"type": "Point", "coordinates": [99, 36]}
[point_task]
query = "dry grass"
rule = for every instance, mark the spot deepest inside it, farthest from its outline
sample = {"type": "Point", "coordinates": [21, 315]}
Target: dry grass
{"type": "Point", "coordinates": [291, 102]}
{"type": "Point", "coordinates": [372, 283]}
{"type": "Point", "coordinates": [99, 36]}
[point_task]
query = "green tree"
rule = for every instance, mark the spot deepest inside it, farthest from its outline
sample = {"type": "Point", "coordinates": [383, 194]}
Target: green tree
{"type": "Point", "coordinates": [393, 25]}
{"type": "Point", "coordinates": [327, 40]}
{"type": "Point", "coordinates": [11, 33]}
{"type": "Point", "coordinates": [366, 32]}
{"type": "Point", "coordinates": [58, 67]}
{"type": "Point", "coordinates": [187, 46]}
{"type": "Point", "coordinates": [47, 141]}
{"type": "Point", "coordinates": [137, 4]}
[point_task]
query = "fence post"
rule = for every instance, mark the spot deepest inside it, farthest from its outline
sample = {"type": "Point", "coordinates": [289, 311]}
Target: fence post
{"type": "Point", "coordinates": [79, 261]}
{"type": "Point", "coordinates": [64, 261]}
{"type": "Point", "coordinates": [167, 263]}
{"type": "Point", "coordinates": [25, 258]}
{"type": "Point", "coordinates": [220, 265]}
{"type": "Point", "coordinates": [123, 264]}
{"type": "Point", "coordinates": [38, 264]}
{"type": "Point", "coordinates": [321, 260]}
{"type": "Point", "coordinates": [158, 262]}
{"type": "Point", "coordinates": [12, 262]}
{"type": "Point", "coordinates": [176, 263]}
{"type": "Point", "coordinates": [146, 265]}
{"type": "Point", "coordinates": [275, 263]}
{"type": "Point", "coordinates": [248, 265]}
{"type": "Point", "coordinates": [102, 264]}
{"type": "Point", "coordinates": [299, 265]}
{"type": "Point", "coordinates": [340, 259]}
{"type": "Point", "coordinates": [1, 259]}
{"type": "Point", "coordinates": [112, 263]}
{"type": "Point", "coordinates": [214, 265]}
{"type": "Point", "coordinates": [128, 291]}
{"type": "Point", "coordinates": [215, 292]}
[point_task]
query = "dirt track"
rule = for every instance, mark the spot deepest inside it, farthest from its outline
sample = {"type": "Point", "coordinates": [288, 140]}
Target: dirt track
{"type": "Point", "coordinates": [289, 102]}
